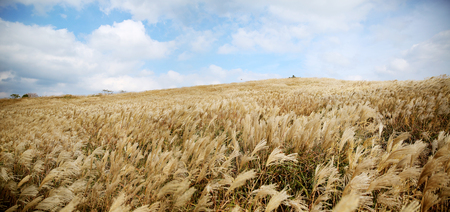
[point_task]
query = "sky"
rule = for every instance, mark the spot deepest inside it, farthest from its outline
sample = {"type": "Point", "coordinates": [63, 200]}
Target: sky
{"type": "Point", "coordinates": [81, 47]}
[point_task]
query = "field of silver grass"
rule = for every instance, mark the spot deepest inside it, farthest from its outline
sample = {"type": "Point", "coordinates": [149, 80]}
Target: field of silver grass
{"type": "Point", "coordinates": [301, 144]}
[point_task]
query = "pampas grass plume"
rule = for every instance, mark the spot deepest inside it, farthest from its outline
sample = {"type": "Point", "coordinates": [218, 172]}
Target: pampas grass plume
{"type": "Point", "coordinates": [276, 200]}
{"type": "Point", "coordinates": [183, 199]}
{"type": "Point", "coordinates": [412, 207]}
{"type": "Point", "coordinates": [346, 136]}
{"type": "Point", "coordinates": [277, 157]}
{"type": "Point", "coordinates": [428, 200]}
{"type": "Point", "coordinates": [33, 203]}
{"type": "Point", "coordinates": [24, 180]}
{"type": "Point", "coordinates": [265, 190]}
{"type": "Point", "coordinates": [118, 206]}
{"type": "Point", "coordinates": [260, 146]}
{"type": "Point", "coordinates": [347, 203]}
{"type": "Point", "coordinates": [241, 179]}
{"type": "Point", "coordinates": [13, 208]}
{"type": "Point", "coordinates": [147, 208]}
{"type": "Point", "coordinates": [72, 205]}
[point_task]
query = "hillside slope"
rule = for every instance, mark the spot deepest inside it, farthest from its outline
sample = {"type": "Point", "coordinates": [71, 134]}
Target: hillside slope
{"type": "Point", "coordinates": [283, 144]}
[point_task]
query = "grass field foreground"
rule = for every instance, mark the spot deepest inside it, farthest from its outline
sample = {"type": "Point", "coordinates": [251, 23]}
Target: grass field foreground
{"type": "Point", "coordinates": [300, 144]}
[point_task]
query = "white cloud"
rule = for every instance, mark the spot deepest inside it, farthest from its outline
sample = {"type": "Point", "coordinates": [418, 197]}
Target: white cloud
{"type": "Point", "coordinates": [396, 67]}
{"type": "Point", "coordinates": [409, 25]}
{"type": "Point", "coordinates": [28, 80]}
{"type": "Point", "coordinates": [59, 50]}
{"type": "Point", "coordinates": [336, 58]}
{"type": "Point", "coordinates": [128, 40]}
{"type": "Point", "coordinates": [195, 42]}
{"type": "Point", "coordinates": [4, 95]}
{"type": "Point", "coordinates": [247, 40]}
{"type": "Point", "coordinates": [147, 80]}
{"type": "Point", "coordinates": [289, 26]}
{"type": "Point", "coordinates": [436, 49]}
{"type": "Point", "coordinates": [203, 41]}
{"type": "Point", "coordinates": [282, 25]}
{"type": "Point", "coordinates": [235, 75]}
{"type": "Point", "coordinates": [42, 56]}
{"type": "Point", "coordinates": [118, 83]}
{"type": "Point", "coordinates": [427, 58]}
{"type": "Point", "coordinates": [334, 40]}
{"type": "Point", "coordinates": [174, 76]}
{"type": "Point", "coordinates": [145, 72]}
{"type": "Point", "coordinates": [383, 70]}
{"type": "Point", "coordinates": [392, 30]}
{"type": "Point", "coordinates": [279, 39]}
{"type": "Point", "coordinates": [326, 14]}
{"type": "Point", "coordinates": [11, 83]}
{"type": "Point", "coordinates": [323, 15]}
{"type": "Point", "coordinates": [44, 52]}
{"type": "Point", "coordinates": [399, 64]}
{"type": "Point", "coordinates": [322, 12]}
{"type": "Point", "coordinates": [185, 56]}
{"type": "Point", "coordinates": [6, 75]}
{"type": "Point", "coordinates": [227, 49]}
{"type": "Point", "coordinates": [431, 57]}
{"type": "Point", "coordinates": [271, 26]}
{"type": "Point", "coordinates": [218, 71]}
{"type": "Point", "coordinates": [250, 76]}
{"type": "Point", "coordinates": [354, 77]}
{"type": "Point", "coordinates": [53, 62]}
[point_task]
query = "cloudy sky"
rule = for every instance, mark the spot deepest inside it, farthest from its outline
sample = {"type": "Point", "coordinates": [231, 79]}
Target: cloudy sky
{"type": "Point", "coordinates": [54, 47]}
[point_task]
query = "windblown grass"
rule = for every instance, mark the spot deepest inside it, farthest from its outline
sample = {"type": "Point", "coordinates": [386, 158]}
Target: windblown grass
{"type": "Point", "coordinates": [273, 145]}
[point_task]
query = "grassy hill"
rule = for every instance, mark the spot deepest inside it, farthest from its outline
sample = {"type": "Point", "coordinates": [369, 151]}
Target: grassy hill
{"type": "Point", "coordinates": [301, 144]}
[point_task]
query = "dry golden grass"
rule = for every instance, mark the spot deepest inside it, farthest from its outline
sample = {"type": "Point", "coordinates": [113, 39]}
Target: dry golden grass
{"type": "Point", "coordinates": [273, 145]}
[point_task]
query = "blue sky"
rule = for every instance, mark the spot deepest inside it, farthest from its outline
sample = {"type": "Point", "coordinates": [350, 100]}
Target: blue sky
{"type": "Point", "coordinates": [55, 47]}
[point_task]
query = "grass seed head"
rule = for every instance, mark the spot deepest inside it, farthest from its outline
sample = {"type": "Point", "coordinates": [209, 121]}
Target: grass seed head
{"type": "Point", "coordinates": [241, 179]}
{"type": "Point", "coordinates": [347, 203]}
{"type": "Point", "coordinates": [276, 200]}
{"type": "Point", "coordinates": [278, 157]}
